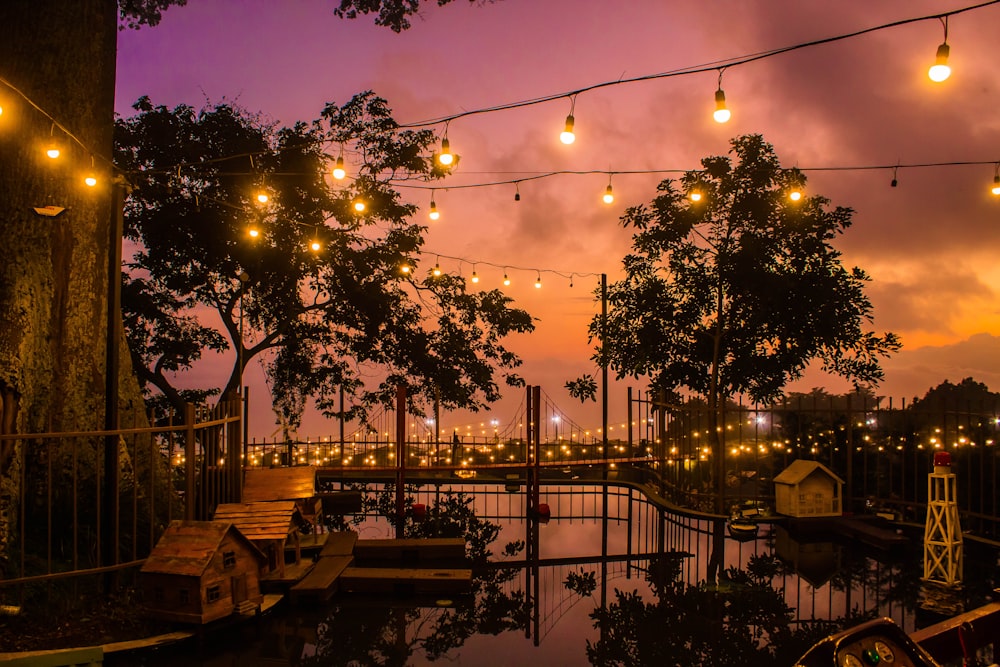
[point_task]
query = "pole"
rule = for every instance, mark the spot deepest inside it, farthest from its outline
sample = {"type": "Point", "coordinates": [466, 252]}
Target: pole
{"type": "Point", "coordinates": [604, 372]}
{"type": "Point", "coordinates": [110, 502]}
{"type": "Point", "coordinates": [400, 456]}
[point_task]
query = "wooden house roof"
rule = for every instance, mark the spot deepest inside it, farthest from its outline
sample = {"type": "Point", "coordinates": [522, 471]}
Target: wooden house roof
{"type": "Point", "coordinates": [187, 547]}
{"type": "Point", "coordinates": [261, 521]}
{"type": "Point", "coordinates": [799, 469]}
{"type": "Point", "coordinates": [263, 484]}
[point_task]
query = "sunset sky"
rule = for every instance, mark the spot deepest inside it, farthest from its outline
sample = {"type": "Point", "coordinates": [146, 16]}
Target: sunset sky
{"type": "Point", "coordinates": [931, 245]}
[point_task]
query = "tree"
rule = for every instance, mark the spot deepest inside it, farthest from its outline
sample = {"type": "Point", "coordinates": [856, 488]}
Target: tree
{"type": "Point", "coordinates": [320, 291]}
{"type": "Point", "coordinates": [737, 292]}
{"type": "Point", "coordinates": [393, 14]}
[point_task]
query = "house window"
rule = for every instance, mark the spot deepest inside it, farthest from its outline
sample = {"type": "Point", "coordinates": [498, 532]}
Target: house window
{"type": "Point", "coordinates": [184, 595]}
{"type": "Point", "coordinates": [213, 593]}
{"type": "Point", "coordinates": [228, 559]}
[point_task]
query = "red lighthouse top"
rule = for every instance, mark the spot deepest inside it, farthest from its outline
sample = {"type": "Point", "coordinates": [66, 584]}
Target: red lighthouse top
{"type": "Point", "coordinates": [942, 459]}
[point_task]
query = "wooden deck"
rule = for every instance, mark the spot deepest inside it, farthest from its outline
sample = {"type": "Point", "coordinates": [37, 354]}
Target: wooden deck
{"type": "Point", "coordinates": [410, 552]}
{"type": "Point", "coordinates": [405, 581]}
{"type": "Point", "coordinates": [322, 581]}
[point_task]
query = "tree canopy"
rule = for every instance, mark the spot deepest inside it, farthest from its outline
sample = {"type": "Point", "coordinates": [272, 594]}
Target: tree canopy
{"type": "Point", "coordinates": [331, 298]}
{"type": "Point", "coordinates": [739, 291]}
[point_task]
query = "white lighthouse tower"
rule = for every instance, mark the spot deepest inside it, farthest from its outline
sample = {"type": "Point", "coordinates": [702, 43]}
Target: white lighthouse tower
{"type": "Point", "coordinates": [942, 534]}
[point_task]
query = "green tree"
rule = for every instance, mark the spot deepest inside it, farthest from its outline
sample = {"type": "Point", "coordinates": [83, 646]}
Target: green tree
{"type": "Point", "coordinates": [320, 292]}
{"type": "Point", "coordinates": [738, 292]}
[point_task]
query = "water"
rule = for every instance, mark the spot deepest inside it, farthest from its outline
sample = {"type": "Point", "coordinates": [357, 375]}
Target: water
{"type": "Point", "coordinates": [647, 588]}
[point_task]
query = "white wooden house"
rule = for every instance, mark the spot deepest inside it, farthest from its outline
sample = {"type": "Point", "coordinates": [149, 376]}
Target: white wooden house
{"type": "Point", "coordinates": [808, 489]}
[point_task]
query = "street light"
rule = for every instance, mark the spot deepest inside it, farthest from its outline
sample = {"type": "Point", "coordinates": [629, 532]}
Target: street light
{"type": "Point", "coordinates": [555, 420]}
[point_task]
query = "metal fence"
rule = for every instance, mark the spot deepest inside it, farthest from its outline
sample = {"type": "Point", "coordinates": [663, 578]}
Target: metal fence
{"type": "Point", "coordinates": [70, 527]}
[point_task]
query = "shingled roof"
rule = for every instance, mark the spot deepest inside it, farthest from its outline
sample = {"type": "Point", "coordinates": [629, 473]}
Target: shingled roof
{"type": "Point", "coordinates": [261, 521]}
{"type": "Point", "coordinates": [262, 484]}
{"type": "Point", "coordinates": [187, 547]}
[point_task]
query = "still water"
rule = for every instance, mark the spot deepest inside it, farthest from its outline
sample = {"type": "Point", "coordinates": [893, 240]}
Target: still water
{"type": "Point", "coordinates": [609, 579]}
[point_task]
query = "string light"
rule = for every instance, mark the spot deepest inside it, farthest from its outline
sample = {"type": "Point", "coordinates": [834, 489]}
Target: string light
{"type": "Point", "coordinates": [940, 70]}
{"type": "Point", "coordinates": [894, 182]}
{"type": "Point", "coordinates": [568, 135]}
{"type": "Point", "coordinates": [538, 281]}
{"type": "Point", "coordinates": [315, 245]}
{"type": "Point", "coordinates": [253, 232]}
{"type": "Point", "coordinates": [434, 214]}
{"type": "Point", "coordinates": [262, 198]}
{"type": "Point", "coordinates": [517, 191]}
{"type": "Point", "coordinates": [609, 195]}
{"type": "Point", "coordinates": [90, 179]}
{"type": "Point", "coordinates": [437, 269]}
{"type": "Point", "coordinates": [360, 205]}
{"type": "Point", "coordinates": [339, 172]}
{"type": "Point", "coordinates": [405, 268]}
{"type": "Point", "coordinates": [695, 196]}
{"type": "Point", "coordinates": [446, 157]}
{"type": "Point", "coordinates": [53, 148]}
{"type": "Point", "coordinates": [475, 276]}
{"type": "Point", "coordinates": [795, 195]}
{"type": "Point", "coordinates": [506, 280]}
{"type": "Point", "coordinates": [996, 181]}
{"type": "Point", "coordinates": [721, 113]}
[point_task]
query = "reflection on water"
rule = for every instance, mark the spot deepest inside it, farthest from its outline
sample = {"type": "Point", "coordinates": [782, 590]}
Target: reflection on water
{"type": "Point", "coordinates": [610, 580]}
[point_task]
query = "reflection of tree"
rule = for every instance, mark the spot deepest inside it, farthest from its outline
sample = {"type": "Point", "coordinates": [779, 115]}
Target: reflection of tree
{"type": "Point", "coordinates": [377, 635]}
{"type": "Point", "coordinates": [742, 620]}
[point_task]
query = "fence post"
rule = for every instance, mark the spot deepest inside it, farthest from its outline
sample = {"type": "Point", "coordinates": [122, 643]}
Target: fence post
{"type": "Point", "coordinates": [189, 468]}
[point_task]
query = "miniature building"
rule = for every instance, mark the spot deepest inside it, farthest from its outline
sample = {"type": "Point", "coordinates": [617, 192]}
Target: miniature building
{"type": "Point", "coordinates": [808, 489]}
{"type": "Point", "coordinates": [270, 526]}
{"type": "Point", "coordinates": [297, 484]}
{"type": "Point", "coordinates": [201, 571]}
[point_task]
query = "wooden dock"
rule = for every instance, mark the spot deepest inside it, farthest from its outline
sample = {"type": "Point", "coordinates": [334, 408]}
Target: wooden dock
{"type": "Point", "coordinates": [406, 581]}
{"type": "Point", "coordinates": [411, 552]}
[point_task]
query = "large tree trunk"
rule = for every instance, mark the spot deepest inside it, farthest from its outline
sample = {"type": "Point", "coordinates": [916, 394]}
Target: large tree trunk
{"type": "Point", "coordinates": [54, 271]}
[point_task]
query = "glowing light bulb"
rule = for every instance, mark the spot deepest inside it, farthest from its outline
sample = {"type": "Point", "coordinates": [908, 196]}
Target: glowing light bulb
{"type": "Point", "coordinates": [315, 246]}
{"type": "Point", "coordinates": [90, 180]}
{"type": "Point", "coordinates": [338, 169]}
{"type": "Point", "coordinates": [608, 195]}
{"type": "Point", "coordinates": [253, 232]}
{"type": "Point", "coordinates": [506, 280]}
{"type": "Point", "coordinates": [446, 157]}
{"type": "Point", "coordinates": [721, 113]}
{"type": "Point", "coordinates": [262, 198]}
{"type": "Point", "coordinates": [567, 136]}
{"type": "Point", "coordinates": [538, 282]}
{"type": "Point", "coordinates": [359, 205]}
{"type": "Point", "coordinates": [437, 270]}
{"type": "Point", "coordinates": [940, 70]}
{"type": "Point", "coordinates": [434, 212]}
{"type": "Point", "coordinates": [405, 268]}
{"type": "Point", "coordinates": [52, 151]}
{"type": "Point", "coordinates": [996, 185]}
{"type": "Point", "coordinates": [795, 195]}
{"type": "Point", "coordinates": [695, 196]}
{"type": "Point", "coordinates": [475, 277]}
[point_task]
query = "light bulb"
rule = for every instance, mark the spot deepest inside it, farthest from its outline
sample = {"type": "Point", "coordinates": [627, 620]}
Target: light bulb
{"type": "Point", "coordinates": [567, 136]}
{"type": "Point", "coordinates": [434, 212]}
{"type": "Point", "coordinates": [262, 197]}
{"type": "Point", "coordinates": [338, 170]}
{"type": "Point", "coordinates": [315, 246]}
{"type": "Point", "coordinates": [506, 280]}
{"type": "Point", "coordinates": [795, 195]}
{"type": "Point", "coordinates": [253, 232]}
{"type": "Point", "coordinates": [90, 180]}
{"type": "Point", "coordinates": [996, 185]}
{"type": "Point", "coordinates": [475, 277]}
{"type": "Point", "coordinates": [437, 270]}
{"type": "Point", "coordinates": [405, 268]}
{"type": "Point", "coordinates": [359, 205]}
{"type": "Point", "coordinates": [538, 282]}
{"type": "Point", "coordinates": [695, 196]}
{"type": "Point", "coordinates": [52, 151]}
{"type": "Point", "coordinates": [608, 195]}
{"type": "Point", "coordinates": [517, 196]}
{"type": "Point", "coordinates": [446, 157]}
{"type": "Point", "coordinates": [940, 71]}
{"type": "Point", "coordinates": [721, 113]}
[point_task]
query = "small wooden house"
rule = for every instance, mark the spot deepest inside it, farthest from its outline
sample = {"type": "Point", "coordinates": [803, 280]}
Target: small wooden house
{"type": "Point", "coordinates": [808, 489]}
{"type": "Point", "coordinates": [201, 571]}
{"type": "Point", "coordinates": [270, 526]}
{"type": "Point", "coordinates": [297, 484]}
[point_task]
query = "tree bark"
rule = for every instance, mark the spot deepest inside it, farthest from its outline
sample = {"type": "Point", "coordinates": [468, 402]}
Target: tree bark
{"type": "Point", "coordinates": [53, 278]}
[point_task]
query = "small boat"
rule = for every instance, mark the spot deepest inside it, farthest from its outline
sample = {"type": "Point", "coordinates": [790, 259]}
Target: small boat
{"type": "Point", "coordinates": [742, 529]}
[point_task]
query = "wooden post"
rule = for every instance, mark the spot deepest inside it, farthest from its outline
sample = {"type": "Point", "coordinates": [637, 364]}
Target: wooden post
{"type": "Point", "coordinates": [189, 468]}
{"type": "Point", "coordinates": [400, 456]}
{"type": "Point", "coordinates": [536, 409]}
{"type": "Point", "coordinates": [112, 350]}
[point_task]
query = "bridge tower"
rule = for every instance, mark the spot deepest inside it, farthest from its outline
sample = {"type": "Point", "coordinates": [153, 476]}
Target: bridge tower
{"type": "Point", "coordinates": [942, 533]}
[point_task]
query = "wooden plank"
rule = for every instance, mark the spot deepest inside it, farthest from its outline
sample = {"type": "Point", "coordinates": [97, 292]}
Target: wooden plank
{"type": "Point", "coordinates": [411, 551]}
{"type": "Point", "coordinates": [321, 582]}
{"type": "Point", "coordinates": [91, 655]}
{"type": "Point", "coordinates": [942, 639]}
{"type": "Point", "coordinates": [279, 484]}
{"type": "Point", "coordinates": [405, 581]}
{"type": "Point", "coordinates": [339, 544]}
